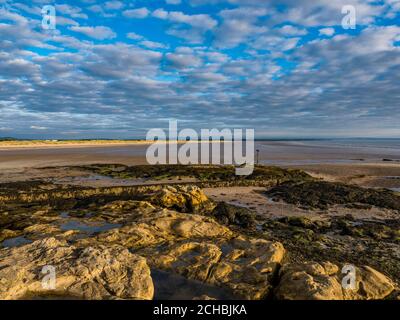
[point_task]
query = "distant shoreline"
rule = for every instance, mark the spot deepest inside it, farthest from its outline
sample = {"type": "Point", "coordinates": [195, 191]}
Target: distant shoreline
{"type": "Point", "coordinates": [66, 143]}
{"type": "Point", "coordinates": [45, 144]}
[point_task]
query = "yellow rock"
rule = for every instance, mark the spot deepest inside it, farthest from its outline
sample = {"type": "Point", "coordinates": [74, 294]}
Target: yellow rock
{"type": "Point", "coordinates": [323, 281]}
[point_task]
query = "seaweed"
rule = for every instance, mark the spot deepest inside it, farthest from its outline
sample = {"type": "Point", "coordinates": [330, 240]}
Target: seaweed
{"type": "Point", "coordinates": [322, 194]}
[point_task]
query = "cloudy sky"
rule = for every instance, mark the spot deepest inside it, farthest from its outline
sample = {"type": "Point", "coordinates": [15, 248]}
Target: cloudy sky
{"type": "Point", "coordinates": [115, 69]}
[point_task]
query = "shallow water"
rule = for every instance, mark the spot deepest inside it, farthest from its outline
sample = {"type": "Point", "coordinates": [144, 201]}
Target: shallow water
{"type": "Point", "coordinates": [64, 215]}
{"type": "Point", "coordinates": [283, 152]}
{"type": "Point", "coordinates": [89, 228]}
{"type": "Point", "coordinates": [15, 242]}
{"type": "Point", "coordinates": [49, 296]}
{"type": "Point", "coordinates": [170, 286]}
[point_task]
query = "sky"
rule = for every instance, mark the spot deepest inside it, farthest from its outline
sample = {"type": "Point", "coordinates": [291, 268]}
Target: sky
{"type": "Point", "coordinates": [116, 69]}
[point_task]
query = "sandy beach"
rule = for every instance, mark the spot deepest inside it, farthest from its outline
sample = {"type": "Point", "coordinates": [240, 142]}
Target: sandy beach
{"type": "Point", "coordinates": [363, 166]}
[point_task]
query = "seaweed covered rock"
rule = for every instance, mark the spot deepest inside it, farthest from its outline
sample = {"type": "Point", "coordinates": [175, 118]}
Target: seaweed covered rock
{"type": "Point", "coordinates": [323, 281]}
{"type": "Point", "coordinates": [95, 272]}
{"type": "Point", "coordinates": [228, 214]}
{"type": "Point", "coordinates": [198, 172]}
{"type": "Point", "coordinates": [322, 194]}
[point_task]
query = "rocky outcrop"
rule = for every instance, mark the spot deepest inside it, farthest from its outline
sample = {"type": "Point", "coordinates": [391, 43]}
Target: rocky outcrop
{"type": "Point", "coordinates": [6, 234]}
{"type": "Point", "coordinates": [160, 227]}
{"type": "Point", "coordinates": [96, 272]}
{"type": "Point", "coordinates": [125, 211]}
{"type": "Point", "coordinates": [322, 194]}
{"type": "Point", "coordinates": [179, 231]}
{"type": "Point", "coordinates": [228, 214]}
{"type": "Point", "coordinates": [128, 205]}
{"type": "Point", "coordinates": [245, 266]}
{"type": "Point", "coordinates": [323, 281]}
{"type": "Point", "coordinates": [182, 199]}
{"type": "Point", "coordinates": [199, 248]}
{"type": "Point", "coordinates": [248, 266]}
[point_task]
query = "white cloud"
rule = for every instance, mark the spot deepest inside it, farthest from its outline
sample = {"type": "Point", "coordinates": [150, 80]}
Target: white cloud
{"type": "Point", "coordinates": [238, 26]}
{"type": "Point", "coordinates": [63, 21]}
{"type": "Point", "coordinates": [98, 32]}
{"type": "Point", "coordinates": [140, 13]}
{"type": "Point", "coordinates": [327, 32]}
{"type": "Point", "coordinates": [202, 21]}
{"type": "Point", "coordinates": [184, 58]}
{"type": "Point", "coordinates": [73, 12]}
{"type": "Point", "coordinates": [134, 36]}
{"type": "Point", "coordinates": [153, 45]}
{"type": "Point", "coordinates": [113, 5]}
{"type": "Point", "coordinates": [290, 30]}
{"type": "Point", "coordinates": [38, 128]}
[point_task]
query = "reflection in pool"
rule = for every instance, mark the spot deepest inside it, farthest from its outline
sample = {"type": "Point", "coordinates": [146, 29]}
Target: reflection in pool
{"type": "Point", "coordinates": [171, 286]}
{"type": "Point", "coordinates": [15, 242]}
{"type": "Point", "coordinates": [89, 228]}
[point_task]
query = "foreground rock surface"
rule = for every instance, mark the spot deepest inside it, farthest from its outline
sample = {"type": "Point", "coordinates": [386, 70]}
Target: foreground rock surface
{"type": "Point", "coordinates": [91, 273]}
{"type": "Point", "coordinates": [245, 266]}
{"type": "Point", "coordinates": [323, 281]}
{"type": "Point", "coordinates": [160, 227]}
{"type": "Point", "coordinates": [179, 232]}
{"type": "Point", "coordinates": [199, 248]}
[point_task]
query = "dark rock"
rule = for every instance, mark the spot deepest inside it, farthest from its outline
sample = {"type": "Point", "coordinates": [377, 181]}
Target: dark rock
{"type": "Point", "coordinates": [228, 214]}
{"type": "Point", "coordinates": [321, 194]}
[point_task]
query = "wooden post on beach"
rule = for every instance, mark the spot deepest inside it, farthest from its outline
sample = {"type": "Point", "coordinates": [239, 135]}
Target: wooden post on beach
{"type": "Point", "coordinates": [258, 153]}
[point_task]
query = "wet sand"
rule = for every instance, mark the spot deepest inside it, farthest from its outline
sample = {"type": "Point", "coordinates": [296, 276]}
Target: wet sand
{"type": "Point", "coordinates": [359, 165]}
{"type": "Point", "coordinates": [64, 156]}
{"type": "Point", "coordinates": [280, 153]}
{"type": "Point", "coordinates": [254, 199]}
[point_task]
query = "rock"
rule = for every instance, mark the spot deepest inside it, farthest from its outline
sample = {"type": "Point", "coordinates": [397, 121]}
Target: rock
{"type": "Point", "coordinates": [322, 194]}
{"type": "Point", "coordinates": [91, 273]}
{"type": "Point", "coordinates": [322, 281]}
{"type": "Point", "coordinates": [182, 199]}
{"type": "Point", "coordinates": [161, 226]}
{"type": "Point", "coordinates": [228, 214]}
{"type": "Point", "coordinates": [120, 205]}
{"type": "Point", "coordinates": [248, 267]}
{"type": "Point", "coordinates": [46, 230]}
{"type": "Point", "coordinates": [193, 260]}
{"type": "Point", "coordinates": [302, 222]}
{"type": "Point", "coordinates": [199, 248]}
{"type": "Point", "coordinates": [243, 265]}
{"type": "Point", "coordinates": [6, 234]}
{"type": "Point", "coordinates": [203, 297]}
{"type": "Point", "coordinates": [371, 285]}
{"type": "Point", "coordinates": [122, 211]}
{"type": "Point", "coordinates": [43, 229]}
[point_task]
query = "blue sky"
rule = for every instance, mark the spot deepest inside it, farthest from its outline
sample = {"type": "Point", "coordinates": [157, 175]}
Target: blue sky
{"type": "Point", "coordinates": [115, 69]}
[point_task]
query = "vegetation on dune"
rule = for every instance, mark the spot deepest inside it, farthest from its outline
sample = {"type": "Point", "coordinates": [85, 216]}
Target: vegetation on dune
{"type": "Point", "coordinates": [8, 139]}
